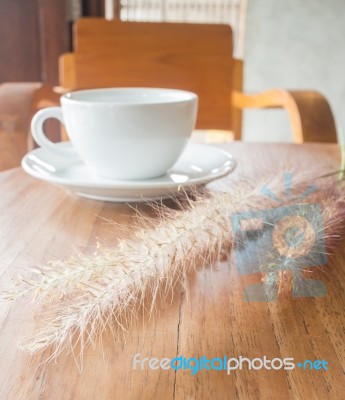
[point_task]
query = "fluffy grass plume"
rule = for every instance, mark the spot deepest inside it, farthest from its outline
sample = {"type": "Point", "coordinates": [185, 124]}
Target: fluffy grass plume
{"type": "Point", "coordinates": [86, 295]}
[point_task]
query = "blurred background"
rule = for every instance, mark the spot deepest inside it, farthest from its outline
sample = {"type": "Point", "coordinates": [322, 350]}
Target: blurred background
{"type": "Point", "coordinates": [288, 44]}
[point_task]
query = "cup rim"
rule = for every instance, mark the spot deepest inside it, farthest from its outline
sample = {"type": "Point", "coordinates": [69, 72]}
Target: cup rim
{"type": "Point", "coordinates": [184, 96]}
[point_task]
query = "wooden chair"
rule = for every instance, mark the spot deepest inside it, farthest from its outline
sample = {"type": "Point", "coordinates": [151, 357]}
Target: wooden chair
{"type": "Point", "coordinates": [18, 103]}
{"type": "Point", "coordinates": [195, 57]}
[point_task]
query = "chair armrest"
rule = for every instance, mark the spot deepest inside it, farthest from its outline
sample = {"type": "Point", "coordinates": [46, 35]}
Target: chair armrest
{"type": "Point", "coordinates": [45, 96]}
{"type": "Point", "coordinates": [18, 103]}
{"type": "Point", "coordinates": [310, 115]}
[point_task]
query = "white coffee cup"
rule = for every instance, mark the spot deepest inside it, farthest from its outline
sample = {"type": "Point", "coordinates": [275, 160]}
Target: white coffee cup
{"type": "Point", "coordinates": [123, 133]}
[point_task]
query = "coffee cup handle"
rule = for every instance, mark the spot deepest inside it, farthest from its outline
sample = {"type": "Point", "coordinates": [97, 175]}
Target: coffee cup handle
{"type": "Point", "coordinates": [40, 137]}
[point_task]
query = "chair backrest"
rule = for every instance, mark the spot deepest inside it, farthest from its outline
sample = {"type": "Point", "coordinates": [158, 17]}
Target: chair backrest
{"type": "Point", "coordinates": [194, 57]}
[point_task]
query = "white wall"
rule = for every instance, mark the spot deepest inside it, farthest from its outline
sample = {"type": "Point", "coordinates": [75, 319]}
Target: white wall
{"type": "Point", "coordinates": [295, 44]}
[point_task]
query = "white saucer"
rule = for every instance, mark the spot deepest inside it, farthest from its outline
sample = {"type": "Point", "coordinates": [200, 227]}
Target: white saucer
{"type": "Point", "coordinates": [198, 165]}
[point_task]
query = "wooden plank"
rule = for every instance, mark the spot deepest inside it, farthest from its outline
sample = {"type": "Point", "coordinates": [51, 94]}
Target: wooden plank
{"type": "Point", "coordinates": [98, 35]}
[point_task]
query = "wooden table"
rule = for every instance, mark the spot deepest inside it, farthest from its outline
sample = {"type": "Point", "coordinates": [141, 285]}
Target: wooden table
{"type": "Point", "coordinates": [40, 222]}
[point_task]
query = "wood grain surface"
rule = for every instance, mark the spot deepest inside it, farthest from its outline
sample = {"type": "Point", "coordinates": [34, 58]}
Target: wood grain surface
{"type": "Point", "coordinates": [40, 222]}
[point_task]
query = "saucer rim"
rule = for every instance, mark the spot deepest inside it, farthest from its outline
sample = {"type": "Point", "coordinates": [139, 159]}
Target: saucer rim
{"type": "Point", "coordinates": [130, 184]}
